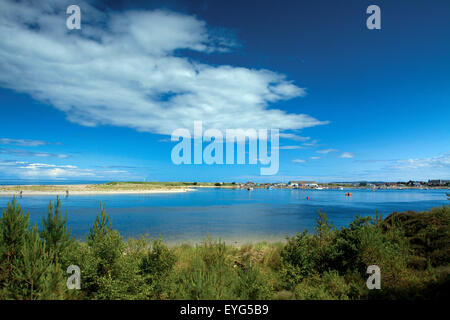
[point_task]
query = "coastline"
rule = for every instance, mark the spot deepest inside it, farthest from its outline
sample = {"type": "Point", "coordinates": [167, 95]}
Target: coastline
{"type": "Point", "coordinates": [79, 190]}
{"type": "Point", "coordinates": [124, 188]}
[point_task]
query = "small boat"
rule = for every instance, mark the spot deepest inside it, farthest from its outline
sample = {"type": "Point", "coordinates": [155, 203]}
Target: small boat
{"type": "Point", "coordinates": [250, 189]}
{"type": "Point", "coordinates": [341, 188]}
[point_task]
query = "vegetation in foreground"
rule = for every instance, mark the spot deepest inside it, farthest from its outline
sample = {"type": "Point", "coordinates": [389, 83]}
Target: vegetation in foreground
{"type": "Point", "coordinates": [412, 249]}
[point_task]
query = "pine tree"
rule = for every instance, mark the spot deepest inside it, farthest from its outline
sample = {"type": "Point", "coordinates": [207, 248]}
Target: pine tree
{"type": "Point", "coordinates": [323, 227]}
{"type": "Point", "coordinates": [32, 269]}
{"type": "Point", "coordinates": [58, 239]}
{"type": "Point", "coordinates": [105, 249]}
{"type": "Point", "coordinates": [55, 232]}
{"type": "Point", "coordinates": [14, 225]}
{"type": "Point", "coordinates": [102, 226]}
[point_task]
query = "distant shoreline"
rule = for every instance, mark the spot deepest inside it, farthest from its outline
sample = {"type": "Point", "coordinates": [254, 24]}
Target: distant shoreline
{"type": "Point", "coordinates": [80, 193]}
{"type": "Point", "coordinates": [117, 188]}
{"type": "Point", "coordinates": [88, 189]}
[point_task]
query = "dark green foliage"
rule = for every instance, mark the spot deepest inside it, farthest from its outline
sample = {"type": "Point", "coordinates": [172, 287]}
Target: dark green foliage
{"type": "Point", "coordinates": [298, 258]}
{"type": "Point", "coordinates": [101, 264]}
{"type": "Point", "coordinates": [14, 225]}
{"type": "Point", "coordinates": [31, 271]}
{"type": "Point", "coordinates": [158, 261]}
{"type": "Point", "coordinates": [156, 267]}
{"type": "Point", "coordinates": [55, 232]}
{"type": "Point", "coordinates": [102, 226]}
{"type": "Point", "coordinates": [428, 233]}
{"type": "Point", "coordinates": [327, 286]}
{"type": "Point", "coordinates": [58, 241]}
{"type": "Point", "coordinates": [211, 274]}
{"type": "Point", "coordinates": [323, 227]}
{"type": "Point", "coordinates": [251, 284]}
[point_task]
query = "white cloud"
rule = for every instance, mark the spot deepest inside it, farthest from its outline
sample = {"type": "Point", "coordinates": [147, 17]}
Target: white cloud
{"type": "Point", "coordinates": [30, 170]}
{"type": "Point", "coordinates": [129, 71]}
{"type": "Point", "coordinates": [292, 136]}
{"type": "Point", "coordinates": [27, 153]}
{"type": "Point", "coordinates": [314, 158]}
{"type": "Point", "coordinates": [347, 155]}
{"type": "Point", "coordinates": [55, 173]}
{"type": "Point", "coordinates": [326, 151]}
{"type": "Point", "coordinates": [310, 144]}
{"type": "Point", "coordinates": [290, 147]}
{"type": "Point", "coordinates": [299, 161]}
{"type": "Point", "coordinates": [44, 165]}
{"type": "Point", "coordinates": [22, 142]}
{"type": "Point", "coordinates": [439, 162]}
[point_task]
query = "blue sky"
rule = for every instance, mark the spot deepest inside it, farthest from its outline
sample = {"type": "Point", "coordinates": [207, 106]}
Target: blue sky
{"type": "Point", "coordinates": [100, 103]}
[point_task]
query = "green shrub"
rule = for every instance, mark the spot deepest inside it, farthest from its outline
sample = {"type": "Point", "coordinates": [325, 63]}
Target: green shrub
{"type": "Point", "coordinates": [251, 284]}
{"type": "Point", "coordinates": [156, 266]}
{"type": "Point", "coordinates": [328, 286]}
{"type": "Point", "coordinates": [14, 231]}
{"type": "Point", "coordinates": [298, 258]}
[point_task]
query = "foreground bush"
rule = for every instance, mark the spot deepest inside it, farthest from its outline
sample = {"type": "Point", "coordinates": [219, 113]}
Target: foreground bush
{"type": "Point", "coordinates": [412, 250]}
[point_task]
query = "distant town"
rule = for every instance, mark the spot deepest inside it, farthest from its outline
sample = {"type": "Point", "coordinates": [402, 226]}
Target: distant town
{"type": "Point", "coordinates": [430, 184]}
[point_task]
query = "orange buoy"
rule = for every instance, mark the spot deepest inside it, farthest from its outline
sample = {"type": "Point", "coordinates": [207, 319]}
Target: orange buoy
{"type": "Point", "coordinates": [348, 194]}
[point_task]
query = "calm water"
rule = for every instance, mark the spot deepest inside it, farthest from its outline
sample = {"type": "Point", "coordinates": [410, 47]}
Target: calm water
{"type": "Point", "coordinates": [233, 215]}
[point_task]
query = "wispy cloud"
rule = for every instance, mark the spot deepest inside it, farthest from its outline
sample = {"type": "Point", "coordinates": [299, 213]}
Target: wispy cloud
{"type": "Point", "coordinates": [375, 160]}
{"type": "Point", "coordinates": [26, 170]}
{"type": "Point", "coordinates": [293, 136]}
{"type": "Point", "coordinates": [314, 158]}
{"type": "Point", "coordinates": [299, 160]}
{"type": "Point", "coordinates": [290, 147]}
{"type": "Point", "coordinates": [311, 143]}
{"type": "Point", "coordinates": [326, 151]}
{"type": "Point", "coordinates": [437, 167]}
{"type": "Point", "coordinates": [346, 155]}
{"type": "Point", "coordinates": [127, 69]}
{"type": "Point", "coordinates": [35, 170]}
{"type": "Point", "coordinates": [439, 162]}
{"type": "Point", "coordinates": [24, 143]}
{"type": "Point", "coordinates": [27, 153]}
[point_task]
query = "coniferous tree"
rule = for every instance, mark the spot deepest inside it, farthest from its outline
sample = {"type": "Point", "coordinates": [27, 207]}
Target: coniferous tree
{"type": "Point", "coordinates": [58, 239]}
{"type": "Point", "coordinates": [14, 225]}
{"type": "Point", "coordinates": [31, 270]}
{"type": "Point", "coordinates": [323, 227]}
{"type": "Point", "coordinates": [105, 250]}
{"type": "Point", "coordinates": [55, 232]}
{"type": "Point", "coordinates": [102, 226]}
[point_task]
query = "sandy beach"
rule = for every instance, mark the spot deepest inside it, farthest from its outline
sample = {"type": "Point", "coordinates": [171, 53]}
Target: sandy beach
{"type": "Point", "coordinates": [88, 189]}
